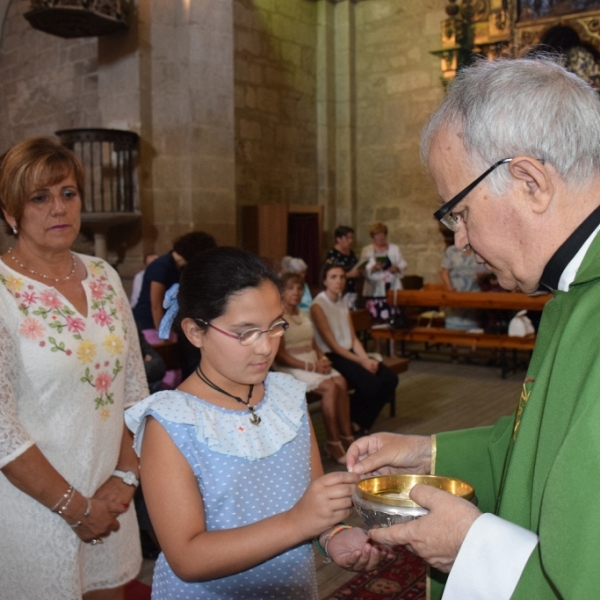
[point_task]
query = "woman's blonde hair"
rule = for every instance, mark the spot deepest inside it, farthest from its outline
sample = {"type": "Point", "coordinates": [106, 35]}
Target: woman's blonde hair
{"type": "Point", "coordinates": [378, 228]}
{"type": "Point", "coordinates": [34, 163]}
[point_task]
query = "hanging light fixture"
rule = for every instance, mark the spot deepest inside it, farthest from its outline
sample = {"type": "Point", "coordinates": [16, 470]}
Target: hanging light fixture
{"type": "Point", "coordinates": [78, 18]}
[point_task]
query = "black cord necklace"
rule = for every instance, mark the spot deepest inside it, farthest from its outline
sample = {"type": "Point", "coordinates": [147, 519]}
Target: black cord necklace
{"type": "Point", "coordinates": [254, 418]}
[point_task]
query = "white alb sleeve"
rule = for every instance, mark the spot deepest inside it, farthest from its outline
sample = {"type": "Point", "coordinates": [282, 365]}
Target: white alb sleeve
{"type": "Point", "coordinates": [490, 561]}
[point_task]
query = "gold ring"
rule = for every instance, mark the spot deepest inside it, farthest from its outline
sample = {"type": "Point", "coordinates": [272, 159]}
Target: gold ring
{"type": "Point", "coordinates": [97, 541]}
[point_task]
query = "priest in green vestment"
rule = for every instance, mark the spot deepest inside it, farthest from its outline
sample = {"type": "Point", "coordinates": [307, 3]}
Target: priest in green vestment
{"type": "Point", "coordinates": [514, 150]}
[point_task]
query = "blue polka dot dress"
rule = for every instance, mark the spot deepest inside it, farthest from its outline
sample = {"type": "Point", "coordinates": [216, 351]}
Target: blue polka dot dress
{"type": "Point", "coordinates": [245, 474]}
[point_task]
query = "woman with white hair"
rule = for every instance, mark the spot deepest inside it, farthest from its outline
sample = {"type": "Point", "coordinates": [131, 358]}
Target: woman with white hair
{"type": "Point", "coordinates": [289, 264]}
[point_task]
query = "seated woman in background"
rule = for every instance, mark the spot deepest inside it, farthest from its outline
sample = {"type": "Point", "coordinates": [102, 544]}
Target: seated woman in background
{"type": "Point", "coordinates": [289, 264]}
{"type": "Point", "coordinates": [373, 382]}
{"type": "Point", "coordinates": [299, 356]}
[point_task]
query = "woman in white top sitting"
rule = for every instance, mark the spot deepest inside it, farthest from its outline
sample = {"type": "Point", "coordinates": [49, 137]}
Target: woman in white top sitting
{"type": "Point", "coordinates": [373, 382]}
{"type": "Point", "coordinates": [299, 356]}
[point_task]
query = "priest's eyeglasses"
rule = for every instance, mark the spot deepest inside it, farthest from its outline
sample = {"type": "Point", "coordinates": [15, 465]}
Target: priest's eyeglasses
{"type": "Point", "coordinates": [445, 215]}
{"type": "Point", "coordinates": [250, 336]}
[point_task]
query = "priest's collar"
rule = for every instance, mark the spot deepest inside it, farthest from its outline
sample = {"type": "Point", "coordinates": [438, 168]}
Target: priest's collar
{"type": "Point", "coordinates": [552, 277]}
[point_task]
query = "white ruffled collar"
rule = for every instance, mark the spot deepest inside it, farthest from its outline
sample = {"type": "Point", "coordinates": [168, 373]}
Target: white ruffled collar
{"type": "Point", "coordinates": [228, 431]}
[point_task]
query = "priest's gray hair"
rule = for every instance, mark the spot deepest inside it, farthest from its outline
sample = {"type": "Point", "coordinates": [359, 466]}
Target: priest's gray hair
{"type": "Point", "coordinates": [514, 107]}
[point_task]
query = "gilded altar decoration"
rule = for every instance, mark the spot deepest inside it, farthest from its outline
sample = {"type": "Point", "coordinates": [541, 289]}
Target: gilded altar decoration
{"type": "Point", "coordinates": [496, 28]}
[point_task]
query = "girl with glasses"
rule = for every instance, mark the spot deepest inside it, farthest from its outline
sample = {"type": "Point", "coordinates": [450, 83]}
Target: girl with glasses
{"type": "Point", "coordinates": [230, 467]}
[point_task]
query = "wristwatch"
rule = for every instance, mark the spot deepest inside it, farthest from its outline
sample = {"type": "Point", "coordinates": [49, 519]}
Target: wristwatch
{"type": "Point", "coordinates": [128, 477]}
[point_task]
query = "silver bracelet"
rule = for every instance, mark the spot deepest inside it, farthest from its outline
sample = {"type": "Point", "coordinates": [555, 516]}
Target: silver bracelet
{"type": "Point", "coordinates": [62, 509]}
{"type": "Point", "coordinates": [75, 525]}
{"type": "Point", "coordinates": [88, 507]}
{"type": "Point", "coordinates": [63, 498]}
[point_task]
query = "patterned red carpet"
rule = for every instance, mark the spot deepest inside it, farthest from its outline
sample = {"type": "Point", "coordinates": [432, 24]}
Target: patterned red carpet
{"type": "Point", "coordinates": [402, 578]}
{"type": "Point", "coordinates": [136, 590]}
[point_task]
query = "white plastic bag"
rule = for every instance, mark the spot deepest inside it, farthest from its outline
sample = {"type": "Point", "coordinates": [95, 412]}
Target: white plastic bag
{"type": "Point", "coordinates": [520, 325]}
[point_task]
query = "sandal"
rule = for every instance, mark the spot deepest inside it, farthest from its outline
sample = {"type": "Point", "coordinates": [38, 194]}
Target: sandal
{"type": "Point", "coordinates": [338, 452]}
{"type": "Point", "coordinates": [360, 432]}
{"type": "Point", "coordinates": [347, 440]}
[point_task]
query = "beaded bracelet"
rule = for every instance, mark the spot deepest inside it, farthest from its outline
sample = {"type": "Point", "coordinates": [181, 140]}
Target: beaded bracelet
{"type": "Point", "coordinates": [62, 509]}
{"type": "Point", "coordinates": [62, 498]}
{"type": "Point", "coordinates": [333, 532]}
{"type": "Point", "coordinates": [328, 537]}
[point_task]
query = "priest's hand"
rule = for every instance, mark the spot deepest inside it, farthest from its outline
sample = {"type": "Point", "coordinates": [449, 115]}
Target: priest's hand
{"type": "Point", "coordinates": [389, 453]}
{"type": "Point", "coordinates": [437, 536]}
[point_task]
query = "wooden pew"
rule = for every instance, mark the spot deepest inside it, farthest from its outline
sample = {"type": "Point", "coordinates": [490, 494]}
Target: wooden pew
{"type": "Point", "coordinates": [480, 300]}
{"type": "Point", "coordinates": [363, 323]}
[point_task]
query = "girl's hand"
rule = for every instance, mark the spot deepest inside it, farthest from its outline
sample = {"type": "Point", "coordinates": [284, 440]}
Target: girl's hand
{"type": "Point", "coordinates": [352, 549]}
{"type": "Point", "coordinates": [326, 502]}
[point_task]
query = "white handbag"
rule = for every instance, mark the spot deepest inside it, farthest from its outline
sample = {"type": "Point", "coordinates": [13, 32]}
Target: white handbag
{"type": "Point", "coordinates": [520, 325]}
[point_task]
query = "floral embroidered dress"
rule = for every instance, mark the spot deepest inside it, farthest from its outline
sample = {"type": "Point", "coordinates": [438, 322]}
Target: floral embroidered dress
{"type": "Point", "coordinates": [65, 379]}
{"type": "Point", "coordinates": [245, 473]}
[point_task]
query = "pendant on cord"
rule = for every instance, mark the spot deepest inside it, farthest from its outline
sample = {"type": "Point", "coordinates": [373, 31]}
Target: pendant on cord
{"type": "Point", "coordinates": [254, 418]}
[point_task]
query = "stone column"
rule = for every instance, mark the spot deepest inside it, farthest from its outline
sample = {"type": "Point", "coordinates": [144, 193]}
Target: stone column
{"type": "Point", "coordinates": [336, 110]}
{"type": "Point", "coordinates": [186, 107]}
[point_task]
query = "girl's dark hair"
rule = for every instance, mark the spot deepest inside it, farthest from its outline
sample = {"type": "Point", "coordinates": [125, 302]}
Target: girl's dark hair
{"type": "Point", "coordinates": [327, 267]}
{"type": "Point", "coordinates": [210, 279]}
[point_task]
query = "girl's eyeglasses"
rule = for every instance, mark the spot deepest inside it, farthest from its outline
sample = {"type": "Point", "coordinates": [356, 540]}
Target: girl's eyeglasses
{"type": "Point", "coordinates": [250, 336]}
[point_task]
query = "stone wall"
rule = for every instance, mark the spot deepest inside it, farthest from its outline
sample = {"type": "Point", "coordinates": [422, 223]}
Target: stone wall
{"type": "Point", "coordinates": [47, 83]}
{"type": "Point", "coordinates": [397, 87]}
{"type": "Point", "coordinates": [186, 65]}
{"type": "Point", "coordinates": [275, 116]}
{"type": "Point", "coordinates": [248, 101]}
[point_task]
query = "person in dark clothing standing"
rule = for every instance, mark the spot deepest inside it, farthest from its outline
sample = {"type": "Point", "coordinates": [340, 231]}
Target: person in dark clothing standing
{"type": "Point", "coordinates": [342, 254]}
{"type": "Point", "coordinates": [160, 275]}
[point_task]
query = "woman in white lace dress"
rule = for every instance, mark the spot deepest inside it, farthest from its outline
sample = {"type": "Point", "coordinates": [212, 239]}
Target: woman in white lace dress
{"type": "Point", "coordinates": [69, 364]}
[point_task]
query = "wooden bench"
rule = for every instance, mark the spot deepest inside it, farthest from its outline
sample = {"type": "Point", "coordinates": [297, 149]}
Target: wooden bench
{"type": "Point", "coordinates": [435, 297]}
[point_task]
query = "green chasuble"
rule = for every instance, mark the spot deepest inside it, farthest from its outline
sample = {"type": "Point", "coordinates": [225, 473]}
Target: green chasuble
{"type": "Point", "coordinates": [551, 448]}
